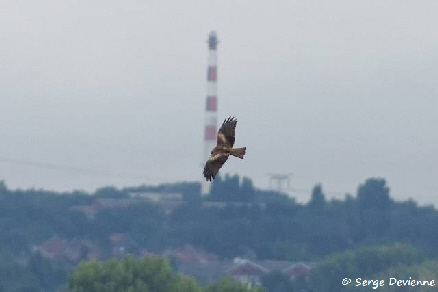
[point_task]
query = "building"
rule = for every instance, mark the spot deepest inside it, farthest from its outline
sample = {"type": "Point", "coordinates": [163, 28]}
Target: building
{"type": "Point", "coordinates": [243, 270]}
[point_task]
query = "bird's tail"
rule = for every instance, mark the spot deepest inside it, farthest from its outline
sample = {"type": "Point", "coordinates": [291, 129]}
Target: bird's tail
{"type": "Point", "coordinates": [238, 152]}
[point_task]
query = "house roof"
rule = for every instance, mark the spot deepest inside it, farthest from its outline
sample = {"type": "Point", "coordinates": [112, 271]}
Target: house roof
{"type": "Point", "coordinates": [246, 267]}
{"type": "Point", "coordinates": [208, 272]}
{"type": "Point", "coordinates": [273, 265]}
{"type": "Point", "coordinates": [205, 273]}
{"type": "Point", "coordinates": [298, 268]}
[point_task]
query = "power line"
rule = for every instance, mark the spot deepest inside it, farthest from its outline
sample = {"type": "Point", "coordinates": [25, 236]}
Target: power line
{"type": "Point", "coordinates": [69, 168]}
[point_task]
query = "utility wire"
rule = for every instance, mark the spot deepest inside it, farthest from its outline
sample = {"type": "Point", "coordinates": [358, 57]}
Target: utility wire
{"type": "Point", "coordinates": [135, 176]}
{"type": "Point", "coordinates": [69, 168]}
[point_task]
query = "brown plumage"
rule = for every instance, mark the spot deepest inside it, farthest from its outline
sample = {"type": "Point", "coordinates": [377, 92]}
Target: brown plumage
{"type": "Point", "coordinates": [223, 149]}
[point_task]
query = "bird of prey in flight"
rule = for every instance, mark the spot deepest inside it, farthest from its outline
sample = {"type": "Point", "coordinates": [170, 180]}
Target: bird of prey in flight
{"type": "Point", "coordinates": [223, 149]}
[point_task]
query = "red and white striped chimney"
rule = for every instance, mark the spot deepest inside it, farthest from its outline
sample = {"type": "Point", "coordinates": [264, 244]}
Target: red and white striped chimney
{"type": "Point", "coordinates": [210, 128]}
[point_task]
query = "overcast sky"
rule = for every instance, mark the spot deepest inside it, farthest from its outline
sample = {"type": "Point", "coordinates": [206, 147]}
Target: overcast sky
{"type": "Point", "coordinates": [334, 92]}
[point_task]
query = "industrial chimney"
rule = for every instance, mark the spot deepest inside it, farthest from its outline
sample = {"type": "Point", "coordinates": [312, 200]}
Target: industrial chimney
{"type": "Point", "coordinates": [210, 124]}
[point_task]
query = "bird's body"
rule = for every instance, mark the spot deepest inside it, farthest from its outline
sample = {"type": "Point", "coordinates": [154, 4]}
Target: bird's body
{"type": "Point", "coordinates": [224, 148]}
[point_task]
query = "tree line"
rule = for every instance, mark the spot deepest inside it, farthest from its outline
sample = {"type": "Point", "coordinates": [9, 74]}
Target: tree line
{"type": "Point", "coordinates": [268, 225]}
{"type": "Point", "coordinates": [150, 273]}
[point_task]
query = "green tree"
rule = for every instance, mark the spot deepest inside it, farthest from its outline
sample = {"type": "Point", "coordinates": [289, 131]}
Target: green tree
{"type": "Point", "coordinates": [230, 189]}
{"type": "Point", "coordinates": [187, 284]}
{"type": "Point", "coordinates": [425, 271]}
{"type": "Point", "coordinates": [3, 188]}
{"type": "Point", "coordinates": [247, 190]}
{"type": "Point", "coordinates": [110, 192]}
{"type": "Point", "coordinates": [361, 262]}
{"type": "Point", "coordinates": [48, 274]}
{"type": "Point", "coordinates": [317, 201]}
{"type": "Point", "coordinates": [374, 206]}
{"type": "Point", "coordinates": [277, 282]}
{"type": "Point", "coordinates": [230, 285]}
{"type": "Point", "coordinates": [147, 274]}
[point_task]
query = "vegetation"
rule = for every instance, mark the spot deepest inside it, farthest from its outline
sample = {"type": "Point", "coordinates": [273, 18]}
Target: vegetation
{"type": "Point", "coordinates": [147, 274]}
{"type": "Point", "coordinates": [369, 231]}
{"type": "Point", "coordinates": [361, 263]}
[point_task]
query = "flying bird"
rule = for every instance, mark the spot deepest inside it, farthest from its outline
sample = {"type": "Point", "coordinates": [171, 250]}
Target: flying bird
{"type": "Point", "coordinates": [223, 149]}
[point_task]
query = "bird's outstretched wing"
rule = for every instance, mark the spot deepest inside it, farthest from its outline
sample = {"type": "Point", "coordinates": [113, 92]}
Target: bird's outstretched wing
{"type": "Point", "coordinates": [226, 133]}
{"type": "Point", "coordinates": [213, 164]}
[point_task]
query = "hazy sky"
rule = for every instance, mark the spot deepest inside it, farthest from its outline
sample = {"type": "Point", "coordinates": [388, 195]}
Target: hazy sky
{"type": "Point", "coordinates": [334, 92]}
